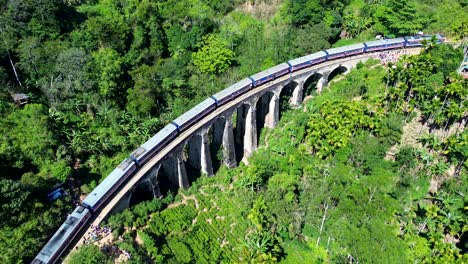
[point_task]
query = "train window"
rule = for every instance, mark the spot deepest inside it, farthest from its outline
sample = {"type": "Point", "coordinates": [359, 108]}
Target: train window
{"type": "Point", "coordinates": [125, 163]}
{"type": "Point", "coordinates": [80, 209]}
{"type": "Point", "coordinates": [36, 261]}
{"type": "Point", "coordinates": [71, 220]}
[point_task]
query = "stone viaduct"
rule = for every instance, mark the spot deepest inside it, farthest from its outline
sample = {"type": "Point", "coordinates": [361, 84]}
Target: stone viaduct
{"type": "Point", "coordinates": [229, 134]}
{"type": "Point", "coordinates": [232, 134]}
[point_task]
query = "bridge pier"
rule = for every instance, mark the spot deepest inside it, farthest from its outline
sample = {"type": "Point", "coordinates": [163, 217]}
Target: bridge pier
{"type": "Point", "coordinates": [229, 148]}
{"type": "Point", "coordinates": [323, 82]}
{"type": "Point", "coordinates": [218, 130]}
{"type": "Point", "coordinates": [199, 156]}
{"type": "Point", "coordinates": [205, 157]}
{"type": "Point", "coordinates": [156, 190]}
{"type": "Point", "coordinates": [298, 93]}
{"type": "Point", "coordinates": [240, 124]}
{"type": "Point", "coordinates": [182, 178]}
{"type": "Point", "coordinates": [273, 112]}
{"type": "Point", "coordinates": [250, 136]}
{"type": "Point", "coordinates": [153, 179]}
{"type": "Point", "coordinates": [194, 152]}
{"type": "Point", "coordinates": [174, 167]}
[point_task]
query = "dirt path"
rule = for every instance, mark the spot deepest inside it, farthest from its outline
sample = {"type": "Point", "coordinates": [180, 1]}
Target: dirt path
{"type": "Point", "coordinates": [413, 130]}
{"type": "Point", "coordinates": [260, 9]}
{"type": "Point", "coordinates": [221, 187]}
{"type": "Point", "coordinates": [184, 201]}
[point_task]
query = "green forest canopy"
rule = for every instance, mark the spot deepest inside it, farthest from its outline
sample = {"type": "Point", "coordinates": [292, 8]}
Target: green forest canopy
{"type": "Point", "coordinates": [103, 76]}
{"type": "Point", "coordinates": [323, 191]}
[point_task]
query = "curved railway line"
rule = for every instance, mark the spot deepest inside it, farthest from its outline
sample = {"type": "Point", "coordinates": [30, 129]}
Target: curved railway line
{"type": "Point", "coordinates": [127, 175]}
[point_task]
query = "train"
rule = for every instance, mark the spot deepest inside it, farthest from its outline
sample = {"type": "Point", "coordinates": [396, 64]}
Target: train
{"type": "Point", "coordinates": [67, 232]}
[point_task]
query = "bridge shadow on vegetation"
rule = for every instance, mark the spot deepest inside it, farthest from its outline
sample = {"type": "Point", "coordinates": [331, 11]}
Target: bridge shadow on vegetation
{"type": "Point", "coordinates": [145, 192]}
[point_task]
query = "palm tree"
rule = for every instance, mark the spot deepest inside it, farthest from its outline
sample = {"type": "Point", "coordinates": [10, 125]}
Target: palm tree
{"type": "Point", "coordinates": [440, 168]}
{"type": "Point", "coordinates": [431, 141]}
{"type": "Point", "coordinates": [457, 148]}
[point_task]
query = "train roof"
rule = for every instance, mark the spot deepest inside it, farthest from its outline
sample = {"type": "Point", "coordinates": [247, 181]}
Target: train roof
{"type": "Point", "coordinates": [231, 89]}
{"type": "Point", "coordinates": [96, 195]}
{"type": "Point", "coordinates": [196, 110]}
{"type": "Point", "coordinates": [420, 38]}
{"type": "Point", "coordinates": [309, 57]}
{"type": "Point", "coordinates": [345, 48]}
{"type": "Point", "coordinates": [270, 71]}
{"type": "Point", "coordinates": [384, 42]}
{"type": "Point", "coordinates": [154, 141]}
{"type": "Point", "coordinates": [62, 234]}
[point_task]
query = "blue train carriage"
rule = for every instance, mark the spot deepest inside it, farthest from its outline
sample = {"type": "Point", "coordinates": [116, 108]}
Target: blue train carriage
{"type": "Point", "coordinates": [63, 237]}
{"type": "Point", "coordinates": [146, 151]}
{"type": "Point", "coordinates": [345, 51]}
{"type": "Point", "coordinates": [193, 115]}
{"type": "Point", "coordinates": [384, 44]}
{"type": "Point", "coordinates": [417, 41]}
{"type": "Point", "coordinates": [307, 61]}
{"type": "Point", "coordinates": [270, 74]}
{"type": "Point", "coordinates": [414, 41]}
{"type": "Point", "coordinates": [107, 187]}
{"type": "Point", "coordinates": [232, 91]}
{"type": "Point", "coordinates": [440, 38]}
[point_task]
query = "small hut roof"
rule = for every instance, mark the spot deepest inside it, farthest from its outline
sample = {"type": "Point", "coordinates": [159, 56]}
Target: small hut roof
{"type": "Point", "coordinates": [19, 97]}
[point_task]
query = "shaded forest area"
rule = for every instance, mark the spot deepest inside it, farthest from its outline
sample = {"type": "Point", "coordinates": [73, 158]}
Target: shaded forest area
{"type": "Point", "coordinates": [103, 76]}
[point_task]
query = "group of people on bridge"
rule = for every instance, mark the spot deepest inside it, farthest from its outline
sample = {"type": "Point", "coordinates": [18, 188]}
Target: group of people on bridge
{"type": "Point", "coordinates": [391, 56]}
{"type": "Point", "coordinates": [115, 251]}
{"type": "Point", "coordinates": [98, 233]}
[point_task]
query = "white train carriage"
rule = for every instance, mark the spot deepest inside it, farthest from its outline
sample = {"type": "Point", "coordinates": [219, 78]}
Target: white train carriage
{"type": "Point", "coordinates": [384, 44]}
{"type": "Point", "coordinates": [307, 61]}
{"type": "Point", "coordinates": [417, 41]}
{"type": "Point", "coordinates": [270, 74]}
{"type": "Point", "coordinates": [193, 115]}
{"type": "Point", "coordinates": [146, 151]}
{"type": "Point", "coordinates": [107, 187]}
{"type": "Point", "coordinates": [232, 91]}
{"type": "Point", "coordinates": [54, 248]}
{"type": "Point", "coordinates": [345, 51]}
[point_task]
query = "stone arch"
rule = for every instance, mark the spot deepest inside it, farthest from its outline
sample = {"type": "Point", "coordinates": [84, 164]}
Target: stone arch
{"type": "Point", "coordinates": [215, 135]}
{"type": "Point", "coordinates": [146, 189]}
{"type": "Point", "coordinates": [239, 130]}
{"type": "Point", "coordinates": [166, 178]}
{"type": "Point", "coordinates": [192, 157]}
{"type": "Point", "coordinates": [174, 169]}
{"type": "Point", "coordinates": [199, 158]}
{"type": "Point", "coordinates": [263, 111]}
{"type": "Point", "coordinates": [141, 193]}
{"type": "Point", "coordinates": [311, 84]}
{"type": "Point", "coordinates": [337, 71]}
{"type": "Point", "coordinates": [286, 96]}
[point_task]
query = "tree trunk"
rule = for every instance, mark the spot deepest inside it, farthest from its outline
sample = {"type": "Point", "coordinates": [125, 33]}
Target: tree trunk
{"type": "Point", "coordinates": [409, 96]}
{"type": "Point", "coordinates": [323, 222]}
{"type": "Point", "coordinates": [14, 69]}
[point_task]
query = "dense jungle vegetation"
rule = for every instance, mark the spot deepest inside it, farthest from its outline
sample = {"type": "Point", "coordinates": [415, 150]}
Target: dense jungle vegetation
{"type": "Point", "coordinates": [103, 76]}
